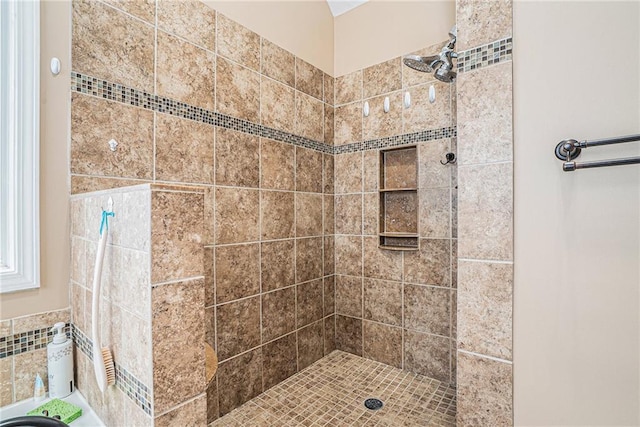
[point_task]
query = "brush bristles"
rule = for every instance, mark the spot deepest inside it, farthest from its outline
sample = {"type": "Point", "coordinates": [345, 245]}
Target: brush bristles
{"type": "Point", "coordinates": [108, 365]}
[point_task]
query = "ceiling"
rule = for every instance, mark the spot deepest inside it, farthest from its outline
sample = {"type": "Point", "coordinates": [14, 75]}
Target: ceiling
{"type": "Point", "coordinates": [338, 7]}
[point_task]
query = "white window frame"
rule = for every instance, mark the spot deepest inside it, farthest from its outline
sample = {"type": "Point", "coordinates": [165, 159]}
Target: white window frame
{"type": "Point", "coordinates": [20, 145]}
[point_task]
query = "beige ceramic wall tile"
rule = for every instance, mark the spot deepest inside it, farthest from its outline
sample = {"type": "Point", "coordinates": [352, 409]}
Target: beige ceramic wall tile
{"type": "Point", "coordinates": [308, 214]}
{"type": "Point", "coordinates": [237, 216]}
{"type": "Point", "coordinates": [184, 150]}
{"type": "Point", "coordinates": [134, 218]}
{"type": "Point", "coordinates": [430, 265]}
{"type": "Point", "coordinates": [213, 410]}
{"type": "Point", "coordinates": [25, 368]}
{"type": "Point", "coordinates": [329, 295]}
{"type": "Point", "coordinates": [423, 114]}
{"type": "Point", "coordinates": [239, 380]}
{"type": "Point", "coordinates": [329, 89]}
{"type": "Point", "coordinates": [309, 302]}
{"type": "Point", "coordinates": [94, 122]}
{"type": "Point", "coordinates": [310, 344]}
{"type": "Point", "coordinates": [348, 214]}
{"type": "Point", "coordinates": [238, 43]}
{"type": "Point", "coordinates": [238, 327]}
{"type": "Point", "coordinates": [133, 279]}
{"type": "Point", "coordinates": [145, 10]}
{"type": "Point", "coordinates": [427, 309]}
{"type": "Point", "coordinates": [278, 63]}
{"type": "Point", "coordinates": [485, 212]}
{"type": "Point", "coordinates": [485, 131]}
{"type": "Point", "coordinates": [348, 173]}
{"type": "Point", "coordinates": [6, 327]}
{"type": "Point", "coordinates": [308, 170]}
{"type": "Point", "coordinates": [349, 296]}
{"type": "Point", "coordinates": [328, 173]}
{"type": "Point", "coordinates": [349, 334]}
{"type": "Point", "coordinates": [40, 321]}
{"type": "Point", "coordinates": [278, 264]}
{"type": "Point", "coordinates": [237, 90]}
{"type": "Point", "coordinates": [371, 218]}
{"type": "Point", "coordinates": [134, 346]}
{"type": "Point", "coordinates": [329, 255]}
{"type": "Point", "coordinates": [329, 334]}
{"type": "Point", "coordinates": [87, 184]}
{"type": "Point", "coordinates": [177, 222]}
{"type": "Point", "coordinates": [277, 214]}
{"type": "Point", "coordinates": [309, 262]}
{"type": "Point", "coordinates": [329, 121]}
{"type": "Point", "coordinates": [277, 105]}
{"type": "Point", "coordinates": [103, 37]}
{"type": "Point", "coordinates": [237, 158]}
{"type": "Point", "coordinates": [279, 361]}
{"type": "Point", "coordinates": [382, 78]}
{"type": "Point", "coordinates": [484, 391]}
{"type": "Point", "coordinates": [485, 304]}
{"type": "Point", "coordinates": [209, 271]}
{"type": "Point", "coordinates": [348, 123]}
{"type": "Point", "coordinates": [277, 165]}
{"type": "Point", "coordinates": [178, 323]}
{"type": "Point", "coordinates": [382, 343]}
{"type": "Point", "coordinates": [192, 20]}
{"type": "Point", "coordinates": [431, 173]}
{"type": "Point", "coordinates": [381, 264]}
{"type": "Point", "coordinates": [427, 355]}
{"type": "Point", "coordinates": [192, 413]}
{"type": "Point", "coordinates": [237, 272]}
{"type": "Point", "coordinates": [348, 255]}
{"type": "Point", "coordinates": [309, 79]}
{"type": "Point", "coordinates": [78, 260]}
{"type": "Point", "coordinates": [6, 380]}
{"type": "Point", "coordinates": [309, 121]}
{"type": "Point", "coordinates": [481, 22]}
{"type": "Point", "coordinates": [380, 124]}
{"type": "Point", "coordinates": [383, 301]}
{"type": "Point", "coordinates": [329, 214]}
{"type": "Point", "coordinates": [348, 88]}
{"type": "Point", "coordinates": [435, 213]}
{"type": "Point", "coordinates": [185, 72]}
{"type": "Point", "coordinates": [371, 170]}
{"type": "Point", "coordinates": [278, 313]}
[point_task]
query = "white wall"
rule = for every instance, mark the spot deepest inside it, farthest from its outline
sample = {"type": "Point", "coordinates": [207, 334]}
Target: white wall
{"type": "Point", "coordinates": [577, 235]}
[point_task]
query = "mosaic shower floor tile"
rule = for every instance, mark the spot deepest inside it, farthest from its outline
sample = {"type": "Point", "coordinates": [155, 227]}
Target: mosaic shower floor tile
{"type": "Point", "coordinates": [332, 391]}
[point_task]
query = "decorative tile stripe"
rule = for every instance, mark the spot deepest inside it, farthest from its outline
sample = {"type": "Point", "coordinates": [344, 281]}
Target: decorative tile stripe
{"type": "Point", "coordinates": [25, 342]}
{"type": "Point", "coordinates": [116, 92]}
{"type": "Point", "coordinates": [485, 55]}
{"type": "Point", "coordinates": [393, 141]}
{"type": "Point", "coordinates": [135, 389]}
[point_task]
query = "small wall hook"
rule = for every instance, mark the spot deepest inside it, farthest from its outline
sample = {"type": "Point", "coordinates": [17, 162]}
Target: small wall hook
{"type": "Point", "coordinates": [113, 145]}
{"type": "Point", "coordinates": [450, 157]}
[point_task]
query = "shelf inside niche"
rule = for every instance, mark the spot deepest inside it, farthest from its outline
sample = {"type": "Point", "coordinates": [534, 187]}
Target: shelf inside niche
{"type": "Point", "coordinates": [399, 199]}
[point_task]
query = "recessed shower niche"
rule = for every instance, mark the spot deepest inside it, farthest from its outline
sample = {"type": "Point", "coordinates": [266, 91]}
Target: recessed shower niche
{"type": "Point", "coordinates": [399, 199]}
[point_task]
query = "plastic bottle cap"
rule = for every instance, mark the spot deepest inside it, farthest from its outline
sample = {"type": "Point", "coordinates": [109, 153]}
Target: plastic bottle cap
{"type": "Point", "coordinates": [60, 336]}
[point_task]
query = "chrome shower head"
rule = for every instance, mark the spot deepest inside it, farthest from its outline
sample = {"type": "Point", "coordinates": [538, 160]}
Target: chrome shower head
{"type": "Point", "coordinates": [423, 64]}
{"type": "Point", "coordinates": [442, 64]}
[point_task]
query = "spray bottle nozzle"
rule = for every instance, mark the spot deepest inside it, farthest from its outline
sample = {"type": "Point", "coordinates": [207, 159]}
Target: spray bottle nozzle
{"type": "Point", "coordinates": [59, 336]}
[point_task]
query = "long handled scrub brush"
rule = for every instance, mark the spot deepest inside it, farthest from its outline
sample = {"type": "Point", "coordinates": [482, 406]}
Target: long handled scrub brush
{"type": "Point", "coordinates": [102, 359]}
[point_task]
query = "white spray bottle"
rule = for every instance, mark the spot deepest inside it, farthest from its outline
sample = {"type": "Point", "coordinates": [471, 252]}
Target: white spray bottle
{"type": "Point", "coordinates": [60, 363]}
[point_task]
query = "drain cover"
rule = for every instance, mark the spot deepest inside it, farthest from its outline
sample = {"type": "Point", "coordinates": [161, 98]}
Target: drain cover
{"type": "Point", "coordinates": [373, 404]}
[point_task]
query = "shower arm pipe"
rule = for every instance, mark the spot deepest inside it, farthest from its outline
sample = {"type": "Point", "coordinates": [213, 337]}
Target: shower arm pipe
{"type": "Point", "coordinates": [570, 149]}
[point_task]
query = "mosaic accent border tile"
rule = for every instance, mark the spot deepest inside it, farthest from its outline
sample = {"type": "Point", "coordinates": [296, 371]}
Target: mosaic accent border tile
{"type": "Point", "coordinates": [88, 85]}
{"type": "Point", "coordinates": [116, 92]}
{"type": "Point", "coordinates": [11, 345]}
{"type": "Point", "coordinates": [135, 389]}
{"type": "Point", "coordinates": [485, 55]}
{"type": "Point", "coordinates": [396, 140]}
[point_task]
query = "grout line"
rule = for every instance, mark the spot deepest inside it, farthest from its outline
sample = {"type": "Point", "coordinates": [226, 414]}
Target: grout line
{"type": "Point", "coordinates": [484, 356]}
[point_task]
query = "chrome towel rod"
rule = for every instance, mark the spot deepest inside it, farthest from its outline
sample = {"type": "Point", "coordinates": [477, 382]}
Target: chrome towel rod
{"type": "Point", "coordinates": [570, 149]}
